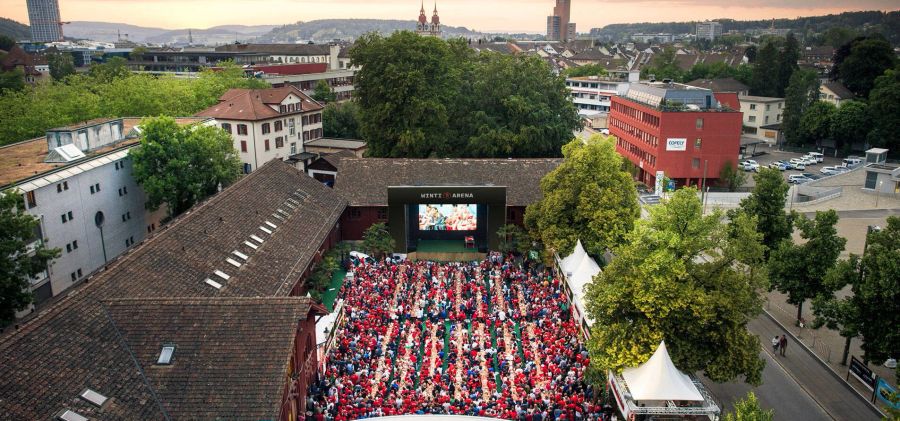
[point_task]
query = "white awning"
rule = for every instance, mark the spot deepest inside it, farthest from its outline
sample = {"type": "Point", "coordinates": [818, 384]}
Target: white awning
{"type": "Point", "coordinates": [580, 270]}
{"type": "Point", "coordinates": [659, 380]}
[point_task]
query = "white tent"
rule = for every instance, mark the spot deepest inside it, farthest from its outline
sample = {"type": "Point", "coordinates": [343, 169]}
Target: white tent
{"type": "Point", "coordinates": [659, 380]}
{"type": "Point", "coordinates": [580, 270]}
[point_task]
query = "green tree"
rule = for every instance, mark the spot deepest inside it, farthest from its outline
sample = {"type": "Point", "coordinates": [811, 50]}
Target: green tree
{"type": "Point", "coordinates": [586, 70]}
{"type": "Point", "coordinates": [114, 68]}
{"type": "Point", "coordinates": [341, 120]}
{"type": "Point", "coordinates": [868, 59]}
{"type": "Point", "coordinates": [787, 64]}
{"type": "Point", "coordinates": [137, 54]}
{"type": "Point", "coordinates": [323, 92]}
{"type": "Point", "coordinates": [6, 43]}
{"type": "Point", "coordinates": [377, 240]}
{"type": "Point", "coordinates": [512, 239]}
{"type": "Point", "coordinates": [17, 265]}
{"type": "Point", "coordinates": [748, 409]}
{"type": "Point", "coordinates": [587, 197]}
{"type": "Point", "coordinates": [61, 65]}
{"type": "Point", "coordinates": [731, 177]}
{"type": "Point", "coordinates": [798, 270]}
{"type": "Point", "coordinates": [802, 91]}
{"type": "Point", "coordinates": [13, 80]}
{"type": "Point", "coordinates": [851, 124]}
{"type": "Point", "coordinates": [664, 66]}
{"type": "Point", "coordinates": [884, 102]}
{"type": "Point", "coordinates": [837, 36]}
{"type": "Point", "coordinates": [689, 279]}
{"type": "Point", "coordinates": [763, 74]}
{"type": "Point", "coordinates": [766, 204]}
{"type": "Point", "coordinates": [182, 165]}
{"type": "Point", "coordinates": [839, 313]}
{"type": "Point", "coordinates": [816, 123]}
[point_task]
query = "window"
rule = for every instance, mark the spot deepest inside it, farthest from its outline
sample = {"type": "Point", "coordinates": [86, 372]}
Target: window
{"type": "Point", "coordinates": [126, 216]}
{"type": "Point", "coordinates": [767, 119]}
{"type": "Point", "coordinates": [67, 415]}
{"type": "Point", "coordinates": [117, 166]}
{"type": "Point", "coordinates": [752, 106]}
{"type": "Point", "coordinates": [79, 272]}
{"type": "Point", "coordinates": [871, 179]}
{"type": "Point", "coordinates": [355, 214]}
{"type": "Point", "coordinates": [291, 127]}
{"type": "Point", "coordinates": [226, 127]}
{"type": "Point", "coordinates": [697, 144]}
{"type": "Point", "coordinates": [695, 163]}
{"type": "Point", "coordinates": [778, 117]}
{"type": "Point", "coordinates": [752, 119]}
{"type": "Point", "coordinates": [768, 107]}
{"type": "Point", "coordinates": [30, 200]}
{"type": "Point", "coordinates": [242, 129]}
{"type": "Point", "coordinates": [92, 189]}
{"type": "Point", "coordinates": [68, 248]}
{"type": "Point", "coordinates": [243, 146]}
{"type": "Point", "coordinates": [73, 276]}
{"type": "Point", "coordinates": [382, 214]}
{"type": "Point", "coordinates": [279, 142]}
{"type": "Point", "coordinates": [266, 142]}
{"type": "Point", "coordinates": [59, 188]}
{"type": "Point", "coordinates": [247, 168]}
{"type": "Point", "coordinates": [95, 188]}
{"type": "Point", "coordinates": [66, 217]}
{"type": "Point", "coordinates": [165, 355]}
{"type": "Point", "coordinates": [93, 397]}
{"type": "Point", "coordinates": [266, 128]}
{"type": "Point", "coordinates": [699, 123]}
{"type": "Point", "coordinates": [278, 126]}
{"type": "Point", "coordinates": [293, 148]}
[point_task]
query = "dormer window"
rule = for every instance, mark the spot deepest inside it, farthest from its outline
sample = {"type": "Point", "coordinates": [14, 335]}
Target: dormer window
{"type": "Point", "coordinates": [165, 355]}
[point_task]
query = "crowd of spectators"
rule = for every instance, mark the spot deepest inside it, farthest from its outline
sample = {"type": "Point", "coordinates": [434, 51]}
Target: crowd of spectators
{"type": "Point", "coordinates": [491, 338]}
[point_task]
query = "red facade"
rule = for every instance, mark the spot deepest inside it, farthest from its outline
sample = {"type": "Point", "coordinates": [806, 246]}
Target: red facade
{"type": "Point", "coordinates": [302, 369]}
{"type": "Point", "coordinates": [357, 219]}
{"type": "Point", "coordinates": [648, 137]}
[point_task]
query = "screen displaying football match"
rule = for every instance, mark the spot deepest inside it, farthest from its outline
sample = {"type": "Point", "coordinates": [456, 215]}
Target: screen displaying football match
{"type": "Point", "coordinates": [444, 217]}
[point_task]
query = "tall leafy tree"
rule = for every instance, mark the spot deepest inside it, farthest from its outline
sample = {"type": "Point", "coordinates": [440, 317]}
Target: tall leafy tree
{"type": "Point", "coordinates": [869, 58]}
{"type": "Point", "coordinates": [851, 124]}
{"type": "Point", "coordinates": [731, 177]}
{"type": "Point", "coordinates": [181, 165]}
{"type": "Point", "coordinates": [766, 204]}
{"type": "Point", "coordinates": [686, 278]}
{"type": "Point", "coordinates": [798, 270]}
{"type": "Point", "coordinates": [586, 70]}
{"type": "Point", "coordinates": [12, 80]}
{"type": "Point", "coordinates": [17, 265]}
{"type": "Point", "coordinates": [787, 64]}
{"type": "Point", "coordinates": [884, 102]}
{"type": "Point", "coordinates": [61, 65]}
{"type": "Point", "coordinates": [341, 120]}
{"type": "Point", "coordinates": [816, 123]}
{"type": "Point", "coordinates": [377, 240]}
{"type": "Point", "coordinates": [802, 91]}
{"type": "Point", "coordinates": [114, 68]}
{"type": "Point", "coordinates": [6, 43]}
{"type": "Point", "coordinates": [323, 92]}
{"type": "Point", "coordinates": [749, 409]}
{"type": "Point", "coordinates": [587, 197]}
{"type": "Point", "coordinates": [764, 73]}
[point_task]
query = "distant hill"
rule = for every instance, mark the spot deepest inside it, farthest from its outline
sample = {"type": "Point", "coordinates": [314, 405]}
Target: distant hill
{"type": "Point", "coordinates": [348, 30]}
{"type": "Point", "coordinates": [888, 23]}
{"type": "Point", "coordinates": [14, 30]}
{"type": "Point", "coordinates": [109, 32]}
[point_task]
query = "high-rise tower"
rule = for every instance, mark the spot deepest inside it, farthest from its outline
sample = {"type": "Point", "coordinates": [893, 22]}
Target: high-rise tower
{"type": "Point", "coordinates": [43, 16]}
{"type": "Point", "coordinates": [424, 28]}
{"type": "Point", "coordinates": [558, 26]}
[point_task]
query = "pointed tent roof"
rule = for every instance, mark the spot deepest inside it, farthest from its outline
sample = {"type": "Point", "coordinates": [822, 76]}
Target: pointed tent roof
{"type": "Point", "coordinates": [580, 270]}
{"type": "Point", "coordinates": [658, 379]}
{"type": "Point", "coordinates": [571, 262]}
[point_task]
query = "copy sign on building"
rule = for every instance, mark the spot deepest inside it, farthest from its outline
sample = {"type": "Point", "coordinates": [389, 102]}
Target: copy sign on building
{"type": "Point", "coordinates": [676, 144]}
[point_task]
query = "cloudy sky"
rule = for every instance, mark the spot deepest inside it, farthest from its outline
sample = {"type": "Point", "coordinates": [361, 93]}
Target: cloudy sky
{"type": "Point", "coordinates": [484, 15]}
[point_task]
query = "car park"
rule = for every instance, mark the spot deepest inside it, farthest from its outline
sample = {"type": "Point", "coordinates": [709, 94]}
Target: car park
{"type": "Point", "coordinates": [809, 160]}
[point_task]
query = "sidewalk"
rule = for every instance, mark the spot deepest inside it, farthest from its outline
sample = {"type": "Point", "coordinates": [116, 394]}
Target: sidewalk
{"type": "Point", "coordinates": [827, 387]}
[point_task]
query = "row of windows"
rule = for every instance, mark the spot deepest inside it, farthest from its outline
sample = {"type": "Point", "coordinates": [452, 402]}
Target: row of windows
{"type": "Point", "coordinates": [637, 152]}
{"type": "Point", "coordinates": [312, 119]}
{"type": "Point", "coordinates": [649, 139]}
{"type": "Point", "coordinates": [768, 106]}
{"type": "Point", "coordinates": [312, 134]}
{"type": "Point", "coordinates": [126, 216]}
{"type": "Point", "coordinates": [590, 96]}
{"type": "Point", "coordinates": [129, 241]}
{"type": "Point", "coordinates": [289, 108]}
{"type": "Point", "coordinates": [72, 246]}
{"type": "Point", "coordinates": [66, 217]}
{"type": "Point", "coordinates": [636, 114]}
{"type": "Point", "coordinates": [95, 188]}
{"type": "Point", "coordinates": [752, 119]}
{"type": "Point", "coordinates": [76, 275]}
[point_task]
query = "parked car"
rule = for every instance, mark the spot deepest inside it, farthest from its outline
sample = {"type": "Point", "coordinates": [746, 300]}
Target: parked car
{"type": "Point", "coordinates": [829, 170]}
{"type": "Point", "coordinates": [809, 160]}
{"type": "Point", "coordinates": [798, 179]}
{"type": "Point", "coordinates": [818, 157]}
{"type": "Point", "coordinates": [798, 164]}
{"type": "Point", "coordinates": [842, 169]}
{"type": "Point", "coordinates": [750, 165]}
{"type": "Point", "coordinates": [779, 165]}
{"type": "Point", "coordinates": [852, 162]}
{"type": "Point", "coordinates": [811, 176]}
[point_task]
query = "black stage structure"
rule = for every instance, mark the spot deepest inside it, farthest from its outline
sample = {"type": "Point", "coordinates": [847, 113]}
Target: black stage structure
{"type": "Point", "coordinates": [404, 206]}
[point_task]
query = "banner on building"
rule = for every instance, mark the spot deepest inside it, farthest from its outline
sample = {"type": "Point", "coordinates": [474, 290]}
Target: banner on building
{"type": "Point", "coordinates": [658, 186]}
{"type": "Point", "coordinates": [676, 144]}
{"type": "Point", "coordinates": [884, 392]}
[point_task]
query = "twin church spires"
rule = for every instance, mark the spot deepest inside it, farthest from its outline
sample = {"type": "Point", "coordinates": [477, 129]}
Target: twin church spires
{"type": "Point", "coordinates": [424, 28]}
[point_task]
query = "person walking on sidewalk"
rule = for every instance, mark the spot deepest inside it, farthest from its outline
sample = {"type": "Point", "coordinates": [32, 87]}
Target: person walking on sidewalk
{"type": "Point", "coordinates": [782, 344]}
{"type": "Point", "coordinates": [776, 343]}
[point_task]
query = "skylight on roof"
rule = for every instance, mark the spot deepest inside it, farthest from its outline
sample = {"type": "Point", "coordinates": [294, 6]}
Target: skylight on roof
{"type": "Point", "coordinates": [251, 245]}
{"type": "Point", "coordinates": [241, 255]}
{"type": "Point", "coordinates": [222, 275]}
{"type": "Point", "coordinates": [288, 204]}
{"type": "Point", "coordinates": [283, 212]}
{"type": "Point", "coordinates": [213, 284]}
{"type": "Point", "coordinates": [165, 355]}
{"type": "Point", "coordinates": [276, 215]}
{"type": "Point", "coordinates": [233, 262]}
{"type": "Point", "coordinates": [265, 230]}
{"type": "Point", "coordinates": [257, 239]}
{"type": "Point", "coordinates": [68, 415]}
{"type": "Point", "coordinates": [271, 225]}
{"type": "Point", "coordinates": [93, 397]}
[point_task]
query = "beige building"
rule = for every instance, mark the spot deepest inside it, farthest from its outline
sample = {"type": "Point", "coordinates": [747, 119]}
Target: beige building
{"type": "Point", "coordinates": [835, 93]}
{"type": "Point", "coordinates": [760, 111]}
{"type": "Point", "coordinates": [268, 124]}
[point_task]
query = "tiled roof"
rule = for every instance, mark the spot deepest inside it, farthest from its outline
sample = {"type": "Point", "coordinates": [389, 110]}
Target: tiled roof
{"type": "Point", "coordinates": [254, 104]}
{"type": "Point", "coordinates": [277, 49]}
{"type": "Point", "coordinates": [364, 181]}
{"type": "Point", "coordinates": [75, 342]}
{"type": "Point", "coordinates": [335, 158]}
{"type": "Point", "coordinates": [720, 85]}
{"type": "Point", "coordinates": [839, 89]}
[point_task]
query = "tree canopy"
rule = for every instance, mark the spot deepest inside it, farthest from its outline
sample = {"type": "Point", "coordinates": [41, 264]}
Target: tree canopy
{"type": "Point", "coordinates": [180, 165]}
{"type": "Point", "coordinates": [587, 197]}
{"type": "Point", "coordinates": [341, 120]}
{"type": "Point", "coordinates": [17, 265]}
{"type": "Point", "coordinates": [749, 409]}
{"type": "Point", "coordinates": [884, 102]}
{"type": "Point", "coordinates": [586, 70]}
{"type": "Point", "coordinates": [802, 91]}
{"type": "Point", "coordinates": [61, 65]}
{"type": "Point", "coordinates": [377, 240]}
{"type": "Point", "coordinates": [689, 279]}
{"type": "Point", "coordinates": [816, 123]}
{"type": "Point", "coordinates": [798, 270]}
{"type": "Point", "coordinates": [766, 204]}
{"type": "Point", "coordinates": [323, 92]}
{"type": "Point", "coordinates": [851, 124]}
{"type": "Point", "coordinates": [425, 97]}
{"type": "Point", "coordinates": [866, 59]}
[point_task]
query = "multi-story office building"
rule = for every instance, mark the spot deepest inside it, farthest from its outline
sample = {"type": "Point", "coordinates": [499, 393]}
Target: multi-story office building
{"type": "Point", "coordinates": [709, 30]}
{"type": "Point", "coordinates": [759, 112]}
{"type": "Point", "coordinates": [43, 17]}
{"type": "Point", "coordinates": [268, 124]}
{"type": "Point", "coordinates": [77, 181]}
{"type": "Point", "coordinates": [558, 26]}
{"type": "Point", "coordinates": [592, 95]}
{"type": "Point", "coordinates": [675, 131]}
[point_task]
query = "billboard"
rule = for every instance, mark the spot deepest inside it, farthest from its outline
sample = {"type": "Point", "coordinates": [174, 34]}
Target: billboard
{"type": "Point", "coordinates": [447, 217]}
{"type": "Point", "coordinates": [862, 373]}
{"type": "Point", "coordinates": [676, 144]}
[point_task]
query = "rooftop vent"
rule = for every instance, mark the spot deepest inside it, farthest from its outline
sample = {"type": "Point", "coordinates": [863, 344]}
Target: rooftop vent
{"type": "Point", "coordinates": [241, 255]}
{"type": "Point", "coordinates": [213, 284]}
{"type": "Point", "coordinates": [165, 355]}
{"type": "Point", "coordinates": [67, 415]}
{"type": "Point", "coordinates": [93, 397]}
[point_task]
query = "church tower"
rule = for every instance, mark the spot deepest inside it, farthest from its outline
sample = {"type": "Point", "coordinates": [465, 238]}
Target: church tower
{"type": "Point", "coordinates": [432, 29]}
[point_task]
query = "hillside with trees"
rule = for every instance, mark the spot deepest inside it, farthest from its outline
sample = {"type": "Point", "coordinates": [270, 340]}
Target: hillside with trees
{"type": "Point", "coordinates": [349, 30]}
{"type": "Point", "coordinates": [14, 30]}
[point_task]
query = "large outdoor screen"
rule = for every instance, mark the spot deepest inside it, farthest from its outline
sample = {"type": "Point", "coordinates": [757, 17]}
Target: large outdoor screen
{"type": "Point", "coordinates": [443, 217]}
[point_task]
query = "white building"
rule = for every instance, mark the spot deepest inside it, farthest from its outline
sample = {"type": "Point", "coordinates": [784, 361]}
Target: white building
{"type": "Point", "coordinates": [592, 94]}
{"type": "Point", "coordinates": [77, 181]}
{"type": "Point", "coordinates": [661, 38]}
{"type": "Point", "coordinates": [709, 30]}
{"type": "Point", "coordinates": [268, 124]}
{"type": "Point", "coordinates": [760, 111]}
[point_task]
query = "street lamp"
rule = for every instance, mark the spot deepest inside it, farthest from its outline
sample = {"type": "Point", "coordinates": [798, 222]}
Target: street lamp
{"type": "Point", "coordinates": [878, 192]}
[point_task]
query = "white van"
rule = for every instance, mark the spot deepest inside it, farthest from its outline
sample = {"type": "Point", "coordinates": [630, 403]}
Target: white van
{"type": "Point", "coordinates": [819, 157]}
{"type": "Point", "coordinates": [852, 162]}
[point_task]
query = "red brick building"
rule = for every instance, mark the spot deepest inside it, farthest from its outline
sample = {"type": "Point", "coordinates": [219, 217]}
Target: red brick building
{"type": "Point", "coordinates": [678, 129]}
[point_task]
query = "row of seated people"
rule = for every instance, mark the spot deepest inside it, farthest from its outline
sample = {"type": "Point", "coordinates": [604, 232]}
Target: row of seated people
{"type": "Point", "coordinates": [489, 338]}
